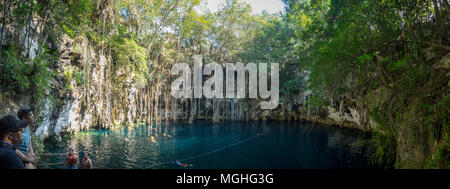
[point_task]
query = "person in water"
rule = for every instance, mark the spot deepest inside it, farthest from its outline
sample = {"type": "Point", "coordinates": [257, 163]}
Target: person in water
{"type": "Point", "coordinates": [10, 137]}
{"type": "Point", "coordinates": [86, 162]}
{"type": "Point", "coordinates": [71, 161]}
{"type": "Point", "coordinates": [26, 152]}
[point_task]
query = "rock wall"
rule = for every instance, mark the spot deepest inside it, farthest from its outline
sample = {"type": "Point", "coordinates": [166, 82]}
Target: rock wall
{"type": "Point", "coordinates": [85, 94]}
{"type": "Point", "coordinates": [342, 113]}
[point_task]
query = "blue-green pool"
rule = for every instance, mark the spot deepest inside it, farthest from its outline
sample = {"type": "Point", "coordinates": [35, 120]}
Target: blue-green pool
{"type": "Point", "coordinates": [227, 145]}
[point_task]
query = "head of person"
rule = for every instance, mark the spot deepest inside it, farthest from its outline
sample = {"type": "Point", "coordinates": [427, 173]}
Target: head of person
{"type": "Point", "coordinates": [26, 114]}
{"type": "Point", "coordinates": [85, 154]}
{"type": "Point", "coordinates": [11, 129]}
{"type": "Point", "coordinates": [71, 151]}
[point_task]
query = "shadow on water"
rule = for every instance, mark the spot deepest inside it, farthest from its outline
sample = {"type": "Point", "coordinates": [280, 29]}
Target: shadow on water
{"type": "Point", "coordinates": [229, 145]}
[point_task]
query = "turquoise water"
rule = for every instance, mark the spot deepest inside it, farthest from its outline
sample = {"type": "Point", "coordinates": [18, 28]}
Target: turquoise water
{"type": "Point", "coordinates": [228, 145]}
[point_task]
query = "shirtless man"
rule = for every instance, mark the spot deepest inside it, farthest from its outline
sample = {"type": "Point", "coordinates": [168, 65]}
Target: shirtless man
{"type": "Point", "coordinates": [86, 162]}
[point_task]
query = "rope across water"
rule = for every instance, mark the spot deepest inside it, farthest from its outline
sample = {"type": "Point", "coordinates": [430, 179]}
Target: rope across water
{"type": "Point", "coordinates": [213, 151]}
{"type": "Point", "coordinates": [181, 160]}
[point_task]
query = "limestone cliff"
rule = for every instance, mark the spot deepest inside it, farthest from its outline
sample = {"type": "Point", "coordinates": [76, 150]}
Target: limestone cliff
{"type": "Point", "coordinates": [93, 99]}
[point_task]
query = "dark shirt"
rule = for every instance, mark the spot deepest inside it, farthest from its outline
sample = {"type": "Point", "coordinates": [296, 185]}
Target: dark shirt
{"type": "Point", "coordinates": [8, 158]}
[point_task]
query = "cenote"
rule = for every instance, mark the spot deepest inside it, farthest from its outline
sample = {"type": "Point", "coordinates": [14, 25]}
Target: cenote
{"type": "Point", "coordinates": [227, 145]}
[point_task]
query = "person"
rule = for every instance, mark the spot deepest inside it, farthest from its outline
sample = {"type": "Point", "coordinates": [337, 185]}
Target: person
{"type": "Point", "coordinates": [86, 162]}
{"type": "Point", "coordinates": [71, 161]}
{"type": "Point", "coordinates": [26, 152]}
{"type": "Point", "coordinates": [10, 137]}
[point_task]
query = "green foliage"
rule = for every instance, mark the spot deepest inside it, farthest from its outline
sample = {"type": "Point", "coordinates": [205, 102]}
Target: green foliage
{"type": "Point", "coordinates": [344, 47]}
{"type": "Point", "coordinates": [441, 158]}
{"type": "Point", "coordinates": [78, 76]}
{"type": "Point", "coordinates": [315, 101]}
{"type": "Point", "coordinates": [194, 28]}
{"type": "Point", "coordinates": [233, 26]}
{"type": "Point", "coordinates": [72, 16]}
{"type": "Point", "coordinates": [364, 60]}
{"type": "Point", "coordinates": [132, 59]}
{"type": "Point", "coordinates": [68, 31]}
{"type": "Point", "coordinates": [273, 41]}
{"type": "Point", "coordinates": [73, 73]}
{"type": "Point", "coordinates": [291, 86]}
{"type": "Point", "coordinates": [385, 153]}
{"type": "Point", "coordinates": [21, 76]}
{"type": "Point", "coordinates": [43, 74]}
{"type": "Point", "coordinates": [14, 72]}
{"type": "Point", "coordinates": [68, 77]}
{"type": "Point", "coordinates": [38, 145]}
{"type": "Point", "coordinates": [436, 116]}
{"type": "Point", "coordinates": [378, 48]}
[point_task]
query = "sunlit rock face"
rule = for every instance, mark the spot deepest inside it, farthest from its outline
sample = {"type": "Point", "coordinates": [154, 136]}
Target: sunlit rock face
{"type": "Point", "coordinates": [43, 129]}
{"type": "Point", "coordinates": [16, 34]}
{"type": "Point", "coordinates": [83, 105]}
{"type": "Point", "coordinates": [340, 116]}
{"type": "Point", "coordinates": [66, 119]}
{"type": "Point", "coordinates": [30, 41]}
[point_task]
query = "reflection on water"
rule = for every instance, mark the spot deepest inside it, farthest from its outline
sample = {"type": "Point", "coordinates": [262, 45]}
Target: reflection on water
{"type": "Point", "coordinates": [207, 145]}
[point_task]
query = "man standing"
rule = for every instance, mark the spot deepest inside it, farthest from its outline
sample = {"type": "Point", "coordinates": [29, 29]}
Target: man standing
{"type": "Point", "coordinates": [10, 137]}
{"type": "Point", "coordinates": [26, 152]}
{"type": "Point", "coordinates": [86, 162]}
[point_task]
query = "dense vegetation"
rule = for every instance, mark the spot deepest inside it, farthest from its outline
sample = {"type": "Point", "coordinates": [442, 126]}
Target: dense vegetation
{"type": "Point", "coordinates": [379, 52]}
{"type": "Point", "coordinates": [386, 54]}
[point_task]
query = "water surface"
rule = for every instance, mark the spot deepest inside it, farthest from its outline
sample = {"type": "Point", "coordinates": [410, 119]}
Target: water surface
{"type": "Point", "coordinates": [228, 145]}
